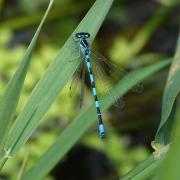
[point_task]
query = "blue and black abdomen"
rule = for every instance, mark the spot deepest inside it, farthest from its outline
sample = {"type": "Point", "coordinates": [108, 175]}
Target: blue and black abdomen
{"type": "Point", "coordinates": [101, 126]}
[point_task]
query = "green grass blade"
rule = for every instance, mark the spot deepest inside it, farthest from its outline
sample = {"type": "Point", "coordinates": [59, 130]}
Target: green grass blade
{"type": "Point", "coordinates": [147, 169]}
{"type": "Point", "coordinates": [170, 166]}
{"type": "Point", "coordinates": [54, 79]}
{"type": "Point", "coordinates": [12, 93]}
{"type": "Point", "coordinates": [149, 172]}
{"type": "Point", "coordinates": [84, 120]}
{"type": "Point", "coordinates": [171, 91]}
{"type": "Point", "coordinates": [139, 168]}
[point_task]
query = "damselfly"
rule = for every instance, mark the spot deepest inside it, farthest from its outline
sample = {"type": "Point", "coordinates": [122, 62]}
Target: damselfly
{"type": "Point", "coordinates": [88, 54]}
{"type": "Point", "coordinates": [85, 50]}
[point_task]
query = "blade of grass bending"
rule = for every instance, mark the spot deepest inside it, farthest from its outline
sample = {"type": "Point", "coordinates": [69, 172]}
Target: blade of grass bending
{"type": "Point", "coordinates": [54, 79]}
{"type": "Point", "coordinates": [149, 172]}
{"type": "Point", "coordinates": [139, 168]}
{"type": "Point", "coordinates": [12, 93]}
{"type": "Point", "coordinates": [170, 166]}
{"type": "Point", "coordinates": [83, 121]}
{"type": "Point", "coordinates": [145, 170]}
{"type": "Point", "coordinates": [171, 91]}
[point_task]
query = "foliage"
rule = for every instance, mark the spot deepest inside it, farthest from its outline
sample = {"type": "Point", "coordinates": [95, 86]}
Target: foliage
{"type": "Point", "coordinates": [18, 124]}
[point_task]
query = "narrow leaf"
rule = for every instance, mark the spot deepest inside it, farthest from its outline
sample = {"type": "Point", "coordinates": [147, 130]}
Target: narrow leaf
{"type": "Point", "coordinates": [170, 166]}
{"type": "Point", "coordinates": [12, 93]}
{"type": "Point", "coordinates": [139, 168]}
{"type": "Point", "coordinates": [171, 91]}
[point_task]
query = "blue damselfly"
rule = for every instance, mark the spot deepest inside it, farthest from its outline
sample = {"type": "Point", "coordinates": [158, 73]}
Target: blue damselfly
{"type": "Point", "coordinates": [103, 66]}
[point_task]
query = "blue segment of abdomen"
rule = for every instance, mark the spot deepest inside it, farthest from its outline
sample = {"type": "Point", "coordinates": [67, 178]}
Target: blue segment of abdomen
{"type": "Point", "coordinates": [101, 131]}
{"type": "Point", "coordinates": [97, 103]}
{"type": "Point", "coordinates": [91, 78]}
{"type": "Point", "coordinates": [94, 91]}
{"type": "Point", "coordinates": [88, 65]}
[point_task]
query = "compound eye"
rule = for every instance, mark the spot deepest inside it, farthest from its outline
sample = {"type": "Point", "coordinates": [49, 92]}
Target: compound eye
{"type": "Point", "coordinates": [78, 35]}
{"type": "Point", "coordinates": [87, 35]}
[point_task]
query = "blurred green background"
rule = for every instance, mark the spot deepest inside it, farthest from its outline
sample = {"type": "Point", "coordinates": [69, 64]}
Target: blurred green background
{"type": "Point", "coordinates": [134, 34]}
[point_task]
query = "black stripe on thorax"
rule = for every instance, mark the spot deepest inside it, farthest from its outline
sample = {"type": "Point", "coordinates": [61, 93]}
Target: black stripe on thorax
{"type": "Point", "coordinates": [85, 44]}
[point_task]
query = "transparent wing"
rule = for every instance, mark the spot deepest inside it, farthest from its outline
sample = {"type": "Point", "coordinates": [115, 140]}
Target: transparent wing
{"type": "Point", "coordinates": [76, 52]}
{"type": "Point", "coordinates": [105, 75]}
{"type": "Point", "coordinates": [77, 84]}
{"type": "Point", "coordinates": [83, 74]}
{"type": "Point", "coordinates": [113, 71]}
{"type": "Point", "coordinates": [108, 67]}
{"type": "Point", "coordinates": [106, 86]}
{"type": "Point", "coordinates": [73, 88]}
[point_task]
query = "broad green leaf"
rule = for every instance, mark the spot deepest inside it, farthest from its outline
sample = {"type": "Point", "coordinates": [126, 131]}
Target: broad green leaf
{"type": "Point", "coordinates": [54, 79]}
{"type": "Point", "coordinates": [171, 91]}
{"type": "Point", "coordinates": [84, 120]}
{"type": "Point", "coordinates": [12, 93]}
